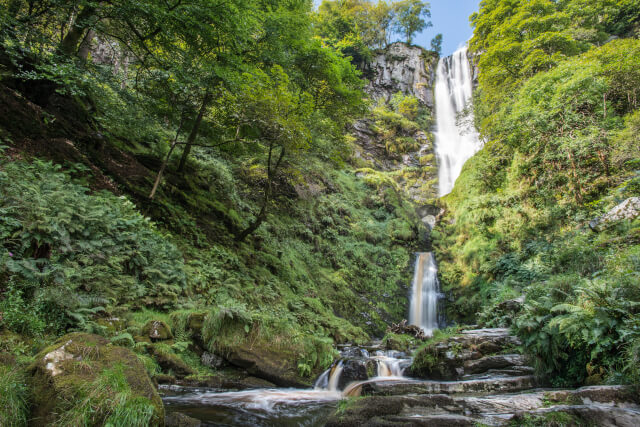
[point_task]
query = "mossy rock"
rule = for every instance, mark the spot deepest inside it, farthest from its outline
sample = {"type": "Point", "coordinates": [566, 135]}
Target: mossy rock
{"type": "Point", "coordinates": [82, 378]}
{"type": "Point", "coordinates": [157, 330]}
{"type": "Point", "coordinates": [398, 342]}
{"type": "Point", "coordinates": [170, 362]}
{"type": "Point", "coordinates": [263, 360]}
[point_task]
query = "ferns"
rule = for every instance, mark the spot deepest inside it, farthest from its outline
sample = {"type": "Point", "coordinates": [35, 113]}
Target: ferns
{"type": "Point", "coordinates": [226, 326]}
{"type": "Point", "coordinates": [74, 253]}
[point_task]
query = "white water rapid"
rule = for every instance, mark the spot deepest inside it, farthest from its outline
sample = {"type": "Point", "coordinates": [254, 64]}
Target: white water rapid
{"type": "Point", "coordinates": [456, 137]}
{"type": "Point", "coordinates": [423, 310]}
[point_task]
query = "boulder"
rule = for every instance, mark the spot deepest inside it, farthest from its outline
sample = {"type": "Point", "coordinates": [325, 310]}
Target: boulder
{"type": "Point", "coordinates": [157, 330]}
{"type": "Point", "coordinates": [262, 360]}
{"type": "Point", "coordinates": [352, 370]}
{"type": "Point", "coordinates": [83, 377]}
{"type": "Point", "coordinates": [170, 362]}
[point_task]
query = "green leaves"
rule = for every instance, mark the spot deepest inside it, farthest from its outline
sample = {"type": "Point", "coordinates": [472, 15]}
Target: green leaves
{"type": "Point", "coordinates": [77, 252]}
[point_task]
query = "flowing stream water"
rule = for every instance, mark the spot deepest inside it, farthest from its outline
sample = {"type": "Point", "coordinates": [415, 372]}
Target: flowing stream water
{"type": "Point", "coordinates": [456, 136]}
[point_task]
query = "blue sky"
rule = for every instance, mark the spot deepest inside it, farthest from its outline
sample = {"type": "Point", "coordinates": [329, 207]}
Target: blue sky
{"type": "Point", "coordinates": [451, 18]}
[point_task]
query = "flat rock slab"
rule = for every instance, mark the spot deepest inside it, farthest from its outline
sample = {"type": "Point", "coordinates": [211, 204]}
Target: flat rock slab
{"type": "Point", "coordinates": [490, 385]}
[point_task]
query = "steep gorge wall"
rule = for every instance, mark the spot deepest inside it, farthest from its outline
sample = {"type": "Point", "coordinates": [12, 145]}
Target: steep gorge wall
{"type": "Point", "coordinates": [410, 70]}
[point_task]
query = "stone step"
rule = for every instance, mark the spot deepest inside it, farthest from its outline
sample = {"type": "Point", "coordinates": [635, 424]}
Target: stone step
{"type": "Point", "coordinates": [493, 362]}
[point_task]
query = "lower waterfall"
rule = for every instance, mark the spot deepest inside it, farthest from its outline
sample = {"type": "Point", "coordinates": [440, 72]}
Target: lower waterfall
{"type": "Point", "coordinates": [423, 311]}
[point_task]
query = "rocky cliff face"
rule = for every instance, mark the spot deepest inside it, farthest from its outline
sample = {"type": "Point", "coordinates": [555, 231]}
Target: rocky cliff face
{"type": "Point", "coordinates": [409, 70]}
{"type": "Point", "coordinates": [402, 68]}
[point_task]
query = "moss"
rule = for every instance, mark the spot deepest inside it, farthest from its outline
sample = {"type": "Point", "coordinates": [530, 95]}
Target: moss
{"type": "Point", "coordinates": [157, 330]}
{"type": "Point", "coordinates": [399, 342]}
{"type": "Point", "coordinates": [169, 362]}
{"type": "Point", "coordinates": [88, 358]}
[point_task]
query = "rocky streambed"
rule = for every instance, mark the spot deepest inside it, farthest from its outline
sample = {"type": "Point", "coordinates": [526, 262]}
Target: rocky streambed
{"type": "Point", "coordinates": [471, 378]}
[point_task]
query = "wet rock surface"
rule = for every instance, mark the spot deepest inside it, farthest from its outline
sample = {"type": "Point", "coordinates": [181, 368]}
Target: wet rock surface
{"type": "Point", "coordinates": [495, 389]}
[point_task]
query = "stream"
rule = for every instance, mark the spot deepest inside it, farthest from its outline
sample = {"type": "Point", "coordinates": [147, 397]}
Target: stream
{"type": "Point", "coordinates": [287, 406]}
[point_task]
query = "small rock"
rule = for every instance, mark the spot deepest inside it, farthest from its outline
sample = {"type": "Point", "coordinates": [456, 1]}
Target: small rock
{"type": "Point", "coordinates": [212, 361]}
{"type": "Point", "coordinates": [178, 419]}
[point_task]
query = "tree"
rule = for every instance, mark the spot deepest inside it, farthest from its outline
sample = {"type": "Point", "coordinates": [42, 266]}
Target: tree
{"type": "Point", "coordinates": [436, 44]}
{"type": "Point", "coordinates": [409, 18]}
{"type": "Point", "coordinates": [272, 113]}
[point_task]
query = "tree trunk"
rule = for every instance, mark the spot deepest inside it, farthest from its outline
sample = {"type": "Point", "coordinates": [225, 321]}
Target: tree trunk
{"type": "Point", "coordinates": [194, 132]}
{"type": "Point", "coordinates": [69, 45]}
{"type": "Point", "coordinates": [156, 184]}
{"type": "Point", "coordinates": [85, 46]}
{"type": "Point", "coordinates": [268, 190]}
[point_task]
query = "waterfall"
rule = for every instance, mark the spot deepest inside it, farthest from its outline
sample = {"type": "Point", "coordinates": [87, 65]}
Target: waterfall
{"type": "Point", "coordinates": [423, 310]}
{"type": "Point", "coordinates": [330, 378]}
{"type": "Point", "coordinates": [456, 140]}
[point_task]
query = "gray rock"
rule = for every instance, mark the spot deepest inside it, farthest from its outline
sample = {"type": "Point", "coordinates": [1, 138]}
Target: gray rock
{"type": "Point", "coordinates": [629, 209]}
{"type": "Point", "coordinates": [493, 362]}
{"type": "Point", "coordinates": [402, 68]}
{"type": "Point", "coordinates": [212, 361]}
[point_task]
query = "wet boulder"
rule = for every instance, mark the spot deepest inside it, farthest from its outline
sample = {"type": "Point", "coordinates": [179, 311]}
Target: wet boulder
{"type": "Point", "coordinates": [353, 370]}
{"type": "Point", "coordinates": [83, 379]}
{"type": "Point", "coordinates": [157, 330]}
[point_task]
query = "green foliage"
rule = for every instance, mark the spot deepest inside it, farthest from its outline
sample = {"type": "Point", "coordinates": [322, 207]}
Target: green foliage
{"type": "Point", "coordinates": [14, 408]}
{"type": "Point", "coordinates": [559, 111]}
{"type": "Point", "coordinates": [398, 342]}
{"type": "Point", "coordinates": [409, 17]}
{"type": "Point", "coordinates": [73, 253]}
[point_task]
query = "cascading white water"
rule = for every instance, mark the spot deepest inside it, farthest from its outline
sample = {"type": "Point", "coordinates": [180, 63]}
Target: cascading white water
{"type": "Point", "coordinates": [423, 311]}
{"type": "Point", "coordinates": [456, 140]}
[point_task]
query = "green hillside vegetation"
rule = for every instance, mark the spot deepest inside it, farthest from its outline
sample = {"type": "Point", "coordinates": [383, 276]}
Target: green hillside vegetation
{"type": "Point", "coordinates": [199, 169]}
{"type": "Point", "coordinates": [557, 105]}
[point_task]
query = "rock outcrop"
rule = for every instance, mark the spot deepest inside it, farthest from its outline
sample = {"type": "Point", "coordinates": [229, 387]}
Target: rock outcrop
{"type": "Point", "coordinates": [488, 386]}
{"type": "Point", "coordinates": [629, 209]}
{"type": "Point", "coordinates": [402, 68]}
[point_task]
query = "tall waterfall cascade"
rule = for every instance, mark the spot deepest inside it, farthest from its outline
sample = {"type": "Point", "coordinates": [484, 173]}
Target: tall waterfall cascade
{"type": "Point", "coordinates": [456, 136]}
{"type": "Point", "coordinates": [425, 292]}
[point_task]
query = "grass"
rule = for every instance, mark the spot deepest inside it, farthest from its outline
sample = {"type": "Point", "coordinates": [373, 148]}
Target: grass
{"type": "Point", "coordinates": [14, 407]}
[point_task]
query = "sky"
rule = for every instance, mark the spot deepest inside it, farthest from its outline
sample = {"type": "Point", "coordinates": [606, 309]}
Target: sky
{"type": "Point", "coordinates": [451, 18]}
